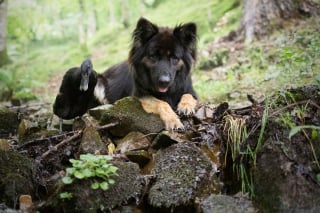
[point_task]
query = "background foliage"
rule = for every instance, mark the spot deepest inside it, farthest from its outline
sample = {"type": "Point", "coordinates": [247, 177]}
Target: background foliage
{"type": "Point", "coordinates": [45, 38]}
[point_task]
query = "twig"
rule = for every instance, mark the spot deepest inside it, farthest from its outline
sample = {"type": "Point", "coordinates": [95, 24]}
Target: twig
{"type": "Point", "coordinates": [78, 134]}
{"type": "Point", "coordinates": [107, 126]}
{"type": "Point", "coordinates": [46, 139]}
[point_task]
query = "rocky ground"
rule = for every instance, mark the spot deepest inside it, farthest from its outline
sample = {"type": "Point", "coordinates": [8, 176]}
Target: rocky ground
{"type": "Point", "coordinates": [260, 158]}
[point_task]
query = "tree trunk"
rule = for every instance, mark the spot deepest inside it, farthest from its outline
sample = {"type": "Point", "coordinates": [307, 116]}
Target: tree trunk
{"type": "Point", "coordinates": [260, 17]}
{"type": "Point", "coordinates": [125, 13]}
{"type": "Point", "coordinates": [3, 31]}
{"type": "Point", "coordinates": [112, 16]}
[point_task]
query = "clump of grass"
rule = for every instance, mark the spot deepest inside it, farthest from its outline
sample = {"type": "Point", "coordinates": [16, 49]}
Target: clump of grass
{"type": "Point", "coordinates": [242, 153]}
{"type": "Point", "coordinates": [237, 136]}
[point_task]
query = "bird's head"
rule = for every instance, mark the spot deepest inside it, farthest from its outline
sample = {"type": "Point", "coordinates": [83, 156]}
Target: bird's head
{"type": "Point", "coordinates": [86, 69]}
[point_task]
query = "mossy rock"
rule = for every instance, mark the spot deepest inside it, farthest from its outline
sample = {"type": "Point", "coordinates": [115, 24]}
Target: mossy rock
{"type": "Point", "coordinates": [91, 142]}
{"type": "Point", "coordinates": [285, 175]}
{"type": "Point", "coordinates": [17, 174]}
{"type": "Point", "coordinates": [282, 185]}
{"type": "Point", "coordinates": [183, 173]}
{"type": "Point", "coordinates": [126, 189]}
{"type": "Point", "coordinates": [224, 203]}
{"type": "Point", "coordinates": [9, 121]}
{"type": "Point", "coordinates": [131, 117]}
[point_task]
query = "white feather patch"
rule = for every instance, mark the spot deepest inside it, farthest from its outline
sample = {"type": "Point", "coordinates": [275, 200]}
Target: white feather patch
{"type": "Point", "coordinates": [99, 93]}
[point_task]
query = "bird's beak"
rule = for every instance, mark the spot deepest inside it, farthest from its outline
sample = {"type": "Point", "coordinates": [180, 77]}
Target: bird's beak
{"type": "Point", "coordinates": [84, 84]}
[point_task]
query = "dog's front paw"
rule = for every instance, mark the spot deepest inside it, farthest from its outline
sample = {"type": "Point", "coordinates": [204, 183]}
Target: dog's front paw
{"type": "Point", "coordinates": [187, 105]}
{"type": "Point", "coordinates": [172, 121]}
{"type": "Point", "coordinates": [168, 116]}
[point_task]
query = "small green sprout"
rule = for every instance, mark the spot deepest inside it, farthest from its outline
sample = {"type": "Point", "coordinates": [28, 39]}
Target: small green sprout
{"type": "Point", "coordinates": [92, 166]}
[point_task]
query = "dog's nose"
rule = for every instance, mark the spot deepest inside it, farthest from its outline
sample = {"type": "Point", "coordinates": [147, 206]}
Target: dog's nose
{"type": "Point", "coordinates": [164, 79]}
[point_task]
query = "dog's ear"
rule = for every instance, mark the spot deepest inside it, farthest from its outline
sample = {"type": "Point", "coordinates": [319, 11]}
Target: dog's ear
{"type": "Point", "coordinates": [143, 32]}
{"type": "Point", "coordinates": [187, 34]}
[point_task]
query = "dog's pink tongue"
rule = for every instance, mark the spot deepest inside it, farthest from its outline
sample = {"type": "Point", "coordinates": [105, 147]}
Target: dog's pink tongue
{"type": "Point", "coordinates": [163, 89]}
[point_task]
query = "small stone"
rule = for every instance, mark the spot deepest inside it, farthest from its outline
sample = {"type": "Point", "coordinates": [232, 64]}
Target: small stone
{"type": "Point", "coordinates": [201, 114]}
{"type": "Point", "coordinates": [91, 141]}
{"type": "Point", "coordinates": [141, 157]}
{"type": "Point", "coordinates": [25, 202]}
{"type": "Point", "coordinates": [133, 141]}
{"type": "Point", "coordinates": [4, 145]}
{"type": "Point", "coordinates": [26, 128]}
{"type": "Point", "coordinates": [165, 139]}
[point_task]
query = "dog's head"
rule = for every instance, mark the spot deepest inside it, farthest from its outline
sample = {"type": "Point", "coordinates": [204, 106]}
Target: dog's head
{"type": "Point", "coordinates": [159, 54]}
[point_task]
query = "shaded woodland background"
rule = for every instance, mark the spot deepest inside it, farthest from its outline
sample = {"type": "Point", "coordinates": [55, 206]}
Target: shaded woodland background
{"type": "Point", "coordinates": [245, 47]}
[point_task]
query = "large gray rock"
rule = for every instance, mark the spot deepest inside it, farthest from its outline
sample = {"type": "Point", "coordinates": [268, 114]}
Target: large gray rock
{"type": "Point", "coordinates": [131, 142]}
{"type": "Point", "coordinates": [227, 204]}
{"type": "Point", "coordinates": [126, 189]}
{"type": "Point", "coordinates": [283, 179]}
{"type": "Point", "coordinates": [183, 173]}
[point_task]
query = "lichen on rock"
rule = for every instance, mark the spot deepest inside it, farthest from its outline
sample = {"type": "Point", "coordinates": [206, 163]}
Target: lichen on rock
{"type": "Point", "coordinates": [183, 172]}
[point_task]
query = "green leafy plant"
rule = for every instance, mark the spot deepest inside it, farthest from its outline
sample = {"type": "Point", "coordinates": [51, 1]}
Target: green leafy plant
{"type": "Point", "coordinates": [91, 166]}
{"type": "Point", "coordinates": [66, 195]}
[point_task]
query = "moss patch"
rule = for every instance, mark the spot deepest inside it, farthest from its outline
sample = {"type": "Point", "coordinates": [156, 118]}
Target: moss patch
{"type": "Point", "coordinates": [131, 116]}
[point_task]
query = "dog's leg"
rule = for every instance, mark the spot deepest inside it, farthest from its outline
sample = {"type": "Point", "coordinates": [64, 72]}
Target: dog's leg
{"type": "Point", "coordinates": [163, 109]}
{"type": "Point", "coordinates": [187, 104]}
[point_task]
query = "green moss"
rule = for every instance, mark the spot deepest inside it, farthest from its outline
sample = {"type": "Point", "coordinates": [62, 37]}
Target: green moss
{"type": "Point", "coordinates": [131, 117]}
{"type": "Point", "coordinates": [9, 120]}
{"type": "Point", "coordinates": [17, 174]}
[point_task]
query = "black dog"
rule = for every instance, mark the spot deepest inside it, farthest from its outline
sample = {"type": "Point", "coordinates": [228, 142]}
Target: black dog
{"type": "Point", "coordinates": [158, 71]}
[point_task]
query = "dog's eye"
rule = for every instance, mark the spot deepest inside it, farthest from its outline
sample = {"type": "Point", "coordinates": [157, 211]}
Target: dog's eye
{"type": "Point", "coordinates": [174, 60]}
{"type": "Point", "coordinates": [152, 57]}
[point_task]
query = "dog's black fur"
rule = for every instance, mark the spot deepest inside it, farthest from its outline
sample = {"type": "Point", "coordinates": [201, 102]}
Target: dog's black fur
{"type": "Point", "coordinates": [159, 64]}
{"type": "Point", "coordinates": [119, 80]}
{"type": "Point", "coordinates": [158, 72]}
